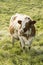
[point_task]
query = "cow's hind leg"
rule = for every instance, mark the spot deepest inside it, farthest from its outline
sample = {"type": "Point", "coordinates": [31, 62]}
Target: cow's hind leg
{"type": "Point", "coordinates": [14, 37]}
{"type": "Point", "coordinates": [13, 41]}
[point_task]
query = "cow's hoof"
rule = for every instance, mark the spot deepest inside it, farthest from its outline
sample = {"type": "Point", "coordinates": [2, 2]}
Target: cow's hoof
{"type": "Point", "coordinates": [21, 50]}
{"type": "Point", "coordinates": [24, 48]}
{"type": "Point", "coordinates": [29, 48]}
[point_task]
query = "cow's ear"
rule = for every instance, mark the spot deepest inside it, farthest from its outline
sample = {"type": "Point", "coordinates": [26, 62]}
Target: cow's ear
{"type": "Point", "coordinates": [19, 21]}
{"type": "Point", "coordinates": [14, 17]}
{"type": "Point", "coordinates": [33, 22]}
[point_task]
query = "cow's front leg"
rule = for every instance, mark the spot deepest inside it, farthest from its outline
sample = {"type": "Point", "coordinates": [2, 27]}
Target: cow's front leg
{"type": "Point", "coordinates": [22, 43]}
{"type": "Point", "coordinates": [30, 42]}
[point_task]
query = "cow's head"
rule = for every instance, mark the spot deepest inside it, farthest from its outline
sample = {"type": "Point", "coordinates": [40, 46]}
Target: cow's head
{"type": "Point", "coordinates": [24, 22]}
{"type": "Point", "coordinates": [27, 24]}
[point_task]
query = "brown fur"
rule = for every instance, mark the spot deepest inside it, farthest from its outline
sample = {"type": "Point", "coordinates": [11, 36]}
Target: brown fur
{"type": "Point", "coordinates": [11, 29]}
{"type": "Point", "coordinates": [33, 30]}
{"type": "Point", "coordinates": [15, 17]}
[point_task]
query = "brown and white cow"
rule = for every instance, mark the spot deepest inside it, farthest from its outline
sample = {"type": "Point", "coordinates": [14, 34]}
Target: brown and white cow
{"type": "Point", "coordinates": [22, 27]}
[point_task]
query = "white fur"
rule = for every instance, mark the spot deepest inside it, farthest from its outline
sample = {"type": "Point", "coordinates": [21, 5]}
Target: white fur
{"type": "Point", "coordinates": [19, 17]}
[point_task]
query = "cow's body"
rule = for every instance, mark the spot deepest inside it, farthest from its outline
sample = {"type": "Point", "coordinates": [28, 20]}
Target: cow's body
{"type": "Point", "coordinates": [22, 28]}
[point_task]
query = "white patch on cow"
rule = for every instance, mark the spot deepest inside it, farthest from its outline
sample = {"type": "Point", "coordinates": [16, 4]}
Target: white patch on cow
{"type": "Point", "coordinates": [15, 23]}
{"type": "Point", "coordinates": [22, 41]}
{"type": "Point", "coordinates": [25, 21]}
{"type": "Point", "coordinates": [28, 32]}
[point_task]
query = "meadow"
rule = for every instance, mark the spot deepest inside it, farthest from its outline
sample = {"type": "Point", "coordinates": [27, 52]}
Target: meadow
{"type": "Point", "coordinates": [12, 55]}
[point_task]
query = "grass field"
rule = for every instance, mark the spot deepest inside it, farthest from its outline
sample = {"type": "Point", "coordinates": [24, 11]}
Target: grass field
{"type": "Point", "coordinates": [12, 55]}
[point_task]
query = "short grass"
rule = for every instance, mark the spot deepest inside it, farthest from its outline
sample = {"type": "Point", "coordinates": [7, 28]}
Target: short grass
{"type": "Point", "coordinates": [12, 55]}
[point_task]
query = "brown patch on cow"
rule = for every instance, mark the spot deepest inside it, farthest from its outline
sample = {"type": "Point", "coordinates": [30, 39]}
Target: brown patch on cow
{"type": "Point", "coordinates": [11, 29]}
{"type": "Point", "coordinates": [27, 27]}
{"type": "Point", "coordinates": [33, 30]}
{"type": "Point", "coordinates": [30, 25]}
{"type": "Point", "coordinates": [19, 21]}
{"type": "Point", "coordinates": [15, 17]}
{"type": "Point", "coordinates": [32, 22]}
{"type": "Point", "coordinates": [25, 35]}
{"type": "Point", "coordinates": [27, 18]}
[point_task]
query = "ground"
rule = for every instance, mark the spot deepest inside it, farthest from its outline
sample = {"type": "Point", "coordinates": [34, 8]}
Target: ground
{"type": "Point", "coordinates": [12, 55]}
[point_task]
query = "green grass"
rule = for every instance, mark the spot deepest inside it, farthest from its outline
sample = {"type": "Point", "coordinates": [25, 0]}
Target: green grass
{"type": "Point", "coordinates": [12, 55]}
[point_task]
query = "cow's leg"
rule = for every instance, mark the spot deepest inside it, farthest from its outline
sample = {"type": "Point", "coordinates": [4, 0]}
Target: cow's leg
{"type": "Point", "coordinates": [13, 41]}
{"type": "Point", "coordinates": [14, 37]}
{"type": "Point", "coordinates": [29, 47]}
{"type": "Point", "coordinates": [30, 42]}
{"type": "Point", "coordinates": [22, 42]}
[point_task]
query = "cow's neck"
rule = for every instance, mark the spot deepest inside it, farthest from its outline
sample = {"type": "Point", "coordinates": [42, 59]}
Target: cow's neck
{"type": "Point", "coordinates": [27, 34]}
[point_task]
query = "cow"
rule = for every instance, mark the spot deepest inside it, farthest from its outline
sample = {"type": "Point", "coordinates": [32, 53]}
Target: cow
{"type": "Point", "coordinates": [22, 28]}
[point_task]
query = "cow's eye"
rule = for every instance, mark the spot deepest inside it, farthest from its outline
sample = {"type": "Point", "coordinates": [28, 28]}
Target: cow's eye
{"type": "Point", "coordinates": [19, 21]}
